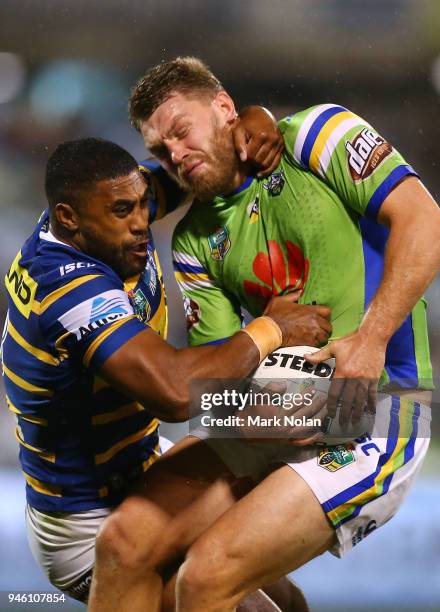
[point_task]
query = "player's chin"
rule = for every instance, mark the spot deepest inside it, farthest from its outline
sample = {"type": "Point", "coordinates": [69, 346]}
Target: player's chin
{"type": "Point", "coordinates": [134, 264]}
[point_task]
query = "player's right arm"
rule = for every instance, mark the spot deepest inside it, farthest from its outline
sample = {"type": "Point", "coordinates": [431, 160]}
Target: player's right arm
{"type": "Point", "coordinates": [90, 321]}
{"type": "Point", "coordinates": [153, 372]}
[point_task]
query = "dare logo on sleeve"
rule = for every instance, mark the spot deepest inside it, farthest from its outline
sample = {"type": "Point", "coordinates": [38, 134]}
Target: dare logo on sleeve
{"type": "Point", "coordinates": [365, 153]}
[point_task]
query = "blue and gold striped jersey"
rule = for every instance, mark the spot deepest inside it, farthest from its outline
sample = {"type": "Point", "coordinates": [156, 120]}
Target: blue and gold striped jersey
{"type": "Point", "coordinates": [68, 312]}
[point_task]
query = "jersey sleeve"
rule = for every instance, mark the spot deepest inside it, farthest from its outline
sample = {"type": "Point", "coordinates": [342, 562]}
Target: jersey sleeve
{"type": "Point", "coordinates": [212, 315]}
{"type": "Point", "coordinates": [346, 153]}
{"type": "Point", "coordinates": [88, 318]}
{"type": "Point", "coordinates": [165, 194]}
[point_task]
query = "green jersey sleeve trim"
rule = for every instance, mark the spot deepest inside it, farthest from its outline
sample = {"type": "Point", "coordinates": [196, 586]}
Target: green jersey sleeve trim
{"type": "Point", "coordinates": [343, 150]}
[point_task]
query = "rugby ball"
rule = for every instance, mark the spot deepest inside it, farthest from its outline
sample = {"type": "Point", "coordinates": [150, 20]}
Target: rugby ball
{"type": "Point", "coordinates": [301, 377]}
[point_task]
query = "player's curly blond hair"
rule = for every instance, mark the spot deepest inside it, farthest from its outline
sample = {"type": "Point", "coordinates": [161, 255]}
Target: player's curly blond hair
{"type": "Point", "coordinates": [187, 75]}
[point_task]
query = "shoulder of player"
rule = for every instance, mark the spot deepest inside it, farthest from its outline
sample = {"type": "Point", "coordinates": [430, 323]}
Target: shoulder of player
{"type": "Point", "coordinates": [308, 122]}
{"type": "Point", "coordinates": [188, 226]}
{"type": "Point", "coordinates": [64, 269]}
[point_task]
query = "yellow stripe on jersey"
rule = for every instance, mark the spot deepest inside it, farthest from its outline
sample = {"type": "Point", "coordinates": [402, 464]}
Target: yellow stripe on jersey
{"type": "Point", "coordinates": [63, 353]}
{"type": "Point", "coordinates": [30, 418]}
{"type": "Point", "coordinates": [24, 384]}
{"type": "Point", "coordinates": [395, 461]}
{"type": "Point", "coordinates": [113, 450]}
{"type": "Point", "coordinates": [43, 487]}
{"type": "Point", "coordinates": [36, 352]}
{"type": "Point", "coordinates": [130, 283]}
{"type": "Point", "coordinates": [100, 339]}
{"type": "Point", "coordinates": [191, 276]}
{"type": "Point", "coordinates": [159, 321]}
{"type": "Point", "coordinates": [324, 136]}
{"type": "Point", "coordinates": [117, 415]}
{"type": "Point", "coordinates": [39, 451]}
{"type": "Point", "coordinates": [58, 293]}
{"type": "Point", "coordinates": [99, 383]}
{"type": "Point", "coordinates": [152, 459]}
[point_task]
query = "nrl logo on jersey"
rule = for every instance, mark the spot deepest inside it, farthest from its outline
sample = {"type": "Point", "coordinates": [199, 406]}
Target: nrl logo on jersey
{"type": "Point", "coordinates": [365, 152]}
{"type": "Point", "coordinates": [275, 183]}
{"type": "Point", "coordinates": [140, 304]}
{"type": "Point", "coordinates": [219, 243]}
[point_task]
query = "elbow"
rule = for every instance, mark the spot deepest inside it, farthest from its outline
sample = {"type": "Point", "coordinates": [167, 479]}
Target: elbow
{"type": "Point", "coordinates": [172, 408]}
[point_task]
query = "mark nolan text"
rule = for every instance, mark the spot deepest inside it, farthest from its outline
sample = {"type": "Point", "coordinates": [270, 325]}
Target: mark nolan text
{"type": "Point", "coordinates": [259, 421]}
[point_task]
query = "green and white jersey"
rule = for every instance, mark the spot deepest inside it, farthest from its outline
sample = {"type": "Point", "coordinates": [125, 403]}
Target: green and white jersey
{"type": "Point", "coordinates": [312, 225]}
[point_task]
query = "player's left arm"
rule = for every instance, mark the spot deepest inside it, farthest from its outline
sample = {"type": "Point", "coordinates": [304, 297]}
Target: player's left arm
{"type": "Point", "coordinates": [372, 179]}
{"type": "Point", "coordinates": [257, 139]}
{"type": "Point", "coordinates": [412, 259]}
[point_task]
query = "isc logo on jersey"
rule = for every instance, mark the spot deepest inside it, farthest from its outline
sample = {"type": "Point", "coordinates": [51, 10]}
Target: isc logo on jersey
{"type": "Point", "coordinates": [96, 312]}
{"type": "Point", "coordinates": [365, 152]}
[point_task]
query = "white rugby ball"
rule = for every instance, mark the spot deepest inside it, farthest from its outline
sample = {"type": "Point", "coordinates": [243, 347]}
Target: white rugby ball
{"type": "Point", "coordinates": [289, 365]}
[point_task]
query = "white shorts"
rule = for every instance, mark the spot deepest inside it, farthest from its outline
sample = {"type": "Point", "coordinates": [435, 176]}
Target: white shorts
{"type": "Point", "coordinates": [63, 544]}
{"type": "Point", "coordinates": [360, 484]}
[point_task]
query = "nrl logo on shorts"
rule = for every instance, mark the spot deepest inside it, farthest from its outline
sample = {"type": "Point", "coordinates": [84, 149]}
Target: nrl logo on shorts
{"type": "Point", "coordinates": [275, 183]}
{"type": "Point", "coordinates": [219, 243]}
{"type": "Point", "coordinates": [333, 458]}
{"type": "Point", "coordinates": [365, 152]}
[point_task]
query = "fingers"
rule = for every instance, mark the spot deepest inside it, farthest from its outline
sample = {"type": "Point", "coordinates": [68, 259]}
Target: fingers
{"type": "Point", "coordinates": [372, 397]}
{"type": "Point", "coordinates": [323, 311]}
{"type": "Point", "coordinates": [240, 138]}
{"type": "Point", "coordinates": [322, 355]}
{"type": "Point", "coordinates": [346, 399]}
{"type": "Point", "coordinates": [271, 161]}
{"type": "Point", "coordinates": [275, 386]}
{"type": "Point", "coordinates": [360, 401]}
{"type": "Point", "coordinates": [334, 393]}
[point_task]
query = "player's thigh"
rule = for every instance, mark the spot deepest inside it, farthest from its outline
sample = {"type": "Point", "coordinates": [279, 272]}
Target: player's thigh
{"type": "Point", "coordinates": [178, 498]}
{"type": "Point", "coordinates": [274, 529]}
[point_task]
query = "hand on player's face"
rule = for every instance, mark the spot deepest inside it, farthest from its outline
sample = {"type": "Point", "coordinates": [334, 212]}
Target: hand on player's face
{"type": "Point", "coordinates": [359, 364]}
{"type": "Point", "coordinates": [258, 140]}
{"type": "Point", "coordinates": [300, 324]}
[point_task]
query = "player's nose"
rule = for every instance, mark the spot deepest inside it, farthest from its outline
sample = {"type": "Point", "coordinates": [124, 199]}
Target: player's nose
{"type": "Point", "coordinates": [139, 219]}
{"type": "Point", "coordinates": [177, 153]}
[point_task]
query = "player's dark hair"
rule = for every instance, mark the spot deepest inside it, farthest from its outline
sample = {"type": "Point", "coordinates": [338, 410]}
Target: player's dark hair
{"type": "Point", "coordinates": [77, 165]}
{"type": "Point", "coordinates": [188, 75]}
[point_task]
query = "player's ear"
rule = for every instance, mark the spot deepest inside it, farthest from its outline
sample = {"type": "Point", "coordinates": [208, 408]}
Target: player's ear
{"type": "Point", "coordinates": [225, 105]}
{"type": "Point", "coordinates": [66, 216]}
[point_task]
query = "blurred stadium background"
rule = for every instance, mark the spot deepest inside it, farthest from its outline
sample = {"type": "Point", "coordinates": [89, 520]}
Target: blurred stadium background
{"type": "Point", "coordinates": [65, 72]}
